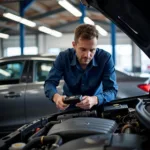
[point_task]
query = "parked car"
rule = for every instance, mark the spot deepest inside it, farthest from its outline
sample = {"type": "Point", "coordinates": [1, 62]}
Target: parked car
{"type": "Point", "coordinates": [128, 84]}
{"type": "Point", "coordinates": [145, 86]}
{"type": "Point", "coordinates": [22, 97]}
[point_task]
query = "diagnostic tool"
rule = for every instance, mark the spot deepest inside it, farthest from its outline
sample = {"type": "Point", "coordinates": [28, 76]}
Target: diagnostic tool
{"type": "Point", "coordinates": [73, 99]}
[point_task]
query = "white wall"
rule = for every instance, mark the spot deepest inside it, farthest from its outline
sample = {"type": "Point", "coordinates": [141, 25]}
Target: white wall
{"type": "Point", "coordinates": [14, 41]}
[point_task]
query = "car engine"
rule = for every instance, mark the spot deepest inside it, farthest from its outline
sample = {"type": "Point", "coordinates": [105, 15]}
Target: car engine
{"type": "Point", "coordinates": [123, 124]}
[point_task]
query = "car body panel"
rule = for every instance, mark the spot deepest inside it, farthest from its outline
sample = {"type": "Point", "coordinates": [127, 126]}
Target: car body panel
{"type": "Point", "coordinates": [128, 87]}
{"type": "Point", "coordinates": [26, 98]}
{"type": "Point", "coordinates": [37, 105]}
{"type": "Point", "coordinates": [127, 84]}
{"type": "Point", "coordinates": [12, 93]}
{"type": "Point", "coordinates": [12, 109]}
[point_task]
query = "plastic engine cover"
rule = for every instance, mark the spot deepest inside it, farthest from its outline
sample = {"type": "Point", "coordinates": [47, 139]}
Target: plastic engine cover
{"type": "Point", "coordinates": [107, 142]}
{"type": "Point", "coordinates": [83, 126]}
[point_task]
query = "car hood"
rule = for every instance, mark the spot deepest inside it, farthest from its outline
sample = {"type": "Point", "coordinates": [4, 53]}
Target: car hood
{"type": "Point", "coordinates": [131, 16]}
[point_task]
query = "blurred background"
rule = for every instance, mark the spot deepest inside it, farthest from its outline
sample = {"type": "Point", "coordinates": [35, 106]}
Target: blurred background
{"type": "Point", "coordinates": [27, 27]}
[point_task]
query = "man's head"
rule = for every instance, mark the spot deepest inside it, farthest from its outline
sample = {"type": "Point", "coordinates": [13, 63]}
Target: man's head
{"type": "Point", "coordinates": [85, 42]}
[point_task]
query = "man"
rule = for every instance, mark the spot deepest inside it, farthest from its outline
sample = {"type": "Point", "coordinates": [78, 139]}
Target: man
{"type": "Point", "coordinates": [87, 71]}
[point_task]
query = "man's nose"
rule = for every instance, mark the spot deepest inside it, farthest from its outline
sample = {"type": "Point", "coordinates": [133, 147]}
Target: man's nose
{"type": "Point", "coordinates": [88, 54]}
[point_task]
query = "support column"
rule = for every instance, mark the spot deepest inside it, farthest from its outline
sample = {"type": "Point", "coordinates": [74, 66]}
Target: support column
{"type": "Point", "coordinates": [82, 8]}
{"type": "Point", "coordinates": [42, 44]}
{"type": "Point", "coordinates": [1, 49]}
{"type": "Point", "coordinates": [136, 58]}
{"type": "Point", "coordinates": [23, 7]}
{"type": "Point", "coordinates": [22, 28]}
{"type": "Point", "coordinates": [113, 41]}
{"type": "Point", "coordinates": [37, 41]}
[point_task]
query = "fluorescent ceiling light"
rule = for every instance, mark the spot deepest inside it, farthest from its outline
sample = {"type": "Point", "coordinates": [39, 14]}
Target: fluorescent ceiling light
{"type": "Point", "coordinates": [101, 30]}
{"type": "Point", "coordinates": [19, 19]}
{"type": "Point", "coordinates": [87, 20]}
{"type": "Point", "coordinates": [70, 8]}
{"type": "Point", "coordinates": [12, 17]}
{"type": "Point", "coordinates": [56, 33]}
{"type": "Point", "coordinates": [50, 31]}
{"type": "Point", "coordinates": [28, 22]}
{"type": "Point", "coordinates": [5, 36]}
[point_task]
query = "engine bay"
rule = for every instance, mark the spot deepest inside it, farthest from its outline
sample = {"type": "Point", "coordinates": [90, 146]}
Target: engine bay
{"type": "Point", "coordinates": [120, 125]}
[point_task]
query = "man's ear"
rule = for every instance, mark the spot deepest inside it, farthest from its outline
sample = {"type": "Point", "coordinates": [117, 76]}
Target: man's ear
{"type": "Point", "coordinates": [74, 44]}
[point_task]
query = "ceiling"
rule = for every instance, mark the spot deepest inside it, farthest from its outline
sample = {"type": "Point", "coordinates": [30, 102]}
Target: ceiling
{"type": "Point", "coordinates": [48, 13]}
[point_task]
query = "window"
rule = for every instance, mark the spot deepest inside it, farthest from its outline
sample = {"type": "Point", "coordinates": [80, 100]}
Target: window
{"type": "Point", "coordinates": [14, 51]}
{"type": "Point", "coordinates": [54, 51]}
{"type": "Point", "coordinates": [41, 70]}
{"type": "Point", "coordinates": [30, 50]}
{"type": "Point", "coordinates": [11, 71]}
{"type": "Point", "coordinates": [107, 48]}
{"type": "Point", "coordinates": [123, 55]}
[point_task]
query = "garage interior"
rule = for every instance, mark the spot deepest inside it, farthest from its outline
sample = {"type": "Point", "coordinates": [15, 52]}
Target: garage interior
{"type": "Point", "coordinates": [39, 28]}
{"type": "Point", "coordinates": [52, 15]}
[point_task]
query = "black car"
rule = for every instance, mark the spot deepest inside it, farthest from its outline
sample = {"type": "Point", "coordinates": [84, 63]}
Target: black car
{"type": "Point", "coordinates": [123, 124]}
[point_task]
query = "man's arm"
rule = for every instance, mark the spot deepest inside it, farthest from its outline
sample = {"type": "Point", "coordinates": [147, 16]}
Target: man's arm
{"type": "Point", "coordinates": [110, 86]}
{"type": "Point", "coordinates": [54, 76]}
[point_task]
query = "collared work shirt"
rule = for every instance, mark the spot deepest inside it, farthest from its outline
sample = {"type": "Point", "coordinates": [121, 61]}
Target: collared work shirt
{"type": "Point", "coordinates": [98, 79]}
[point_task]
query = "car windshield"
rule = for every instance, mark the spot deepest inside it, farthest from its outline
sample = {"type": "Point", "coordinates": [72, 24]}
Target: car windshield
{"type": "Point", "coordinates": [11, 70]}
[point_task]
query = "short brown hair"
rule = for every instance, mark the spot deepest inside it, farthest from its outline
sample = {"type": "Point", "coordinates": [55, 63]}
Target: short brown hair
{"type": "Point", "coordinates": [85, 31]}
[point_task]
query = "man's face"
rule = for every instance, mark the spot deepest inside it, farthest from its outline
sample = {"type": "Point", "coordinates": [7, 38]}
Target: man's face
{"type": "Point", "coordinates": [85, 50]}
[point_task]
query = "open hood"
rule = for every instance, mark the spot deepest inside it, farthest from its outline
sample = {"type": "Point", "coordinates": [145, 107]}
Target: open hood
{"type": "Point", "coordinates": [131, 16]}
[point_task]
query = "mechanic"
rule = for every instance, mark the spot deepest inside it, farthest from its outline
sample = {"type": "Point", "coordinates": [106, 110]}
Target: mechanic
{"type": "Point", "coordinates": [86, 70]}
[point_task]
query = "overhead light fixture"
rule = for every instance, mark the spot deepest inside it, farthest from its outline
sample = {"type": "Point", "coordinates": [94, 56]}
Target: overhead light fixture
{"type": "Point", "coordinates": [19, 19]}
{"type": "Point", "coordinates": [28, 22]}
{"type": "Point", "coordinates": [4, 36]}
{"type": "Point", "coordinates": [87, 20]}
{"type": "Point", "coordinates": [70, 8]}
{"type": "Point", "coordinates": [99, 28]}
{"type": "Point", "coordinates": [12, 17]}
{"type": "Point", "coordinates": [50, 31]}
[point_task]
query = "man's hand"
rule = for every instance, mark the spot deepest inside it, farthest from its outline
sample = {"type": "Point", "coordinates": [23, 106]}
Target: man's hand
{"type": "Point", "coordinates": [87, 102]}
{"type": "Point", "coordinates": [58, 99]}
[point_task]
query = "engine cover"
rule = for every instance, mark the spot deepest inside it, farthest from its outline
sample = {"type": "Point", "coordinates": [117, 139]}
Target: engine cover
{"type": "Point", "coordinates": [83, 126]}
{"type": "Point", "coordinates": [107, 142]}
